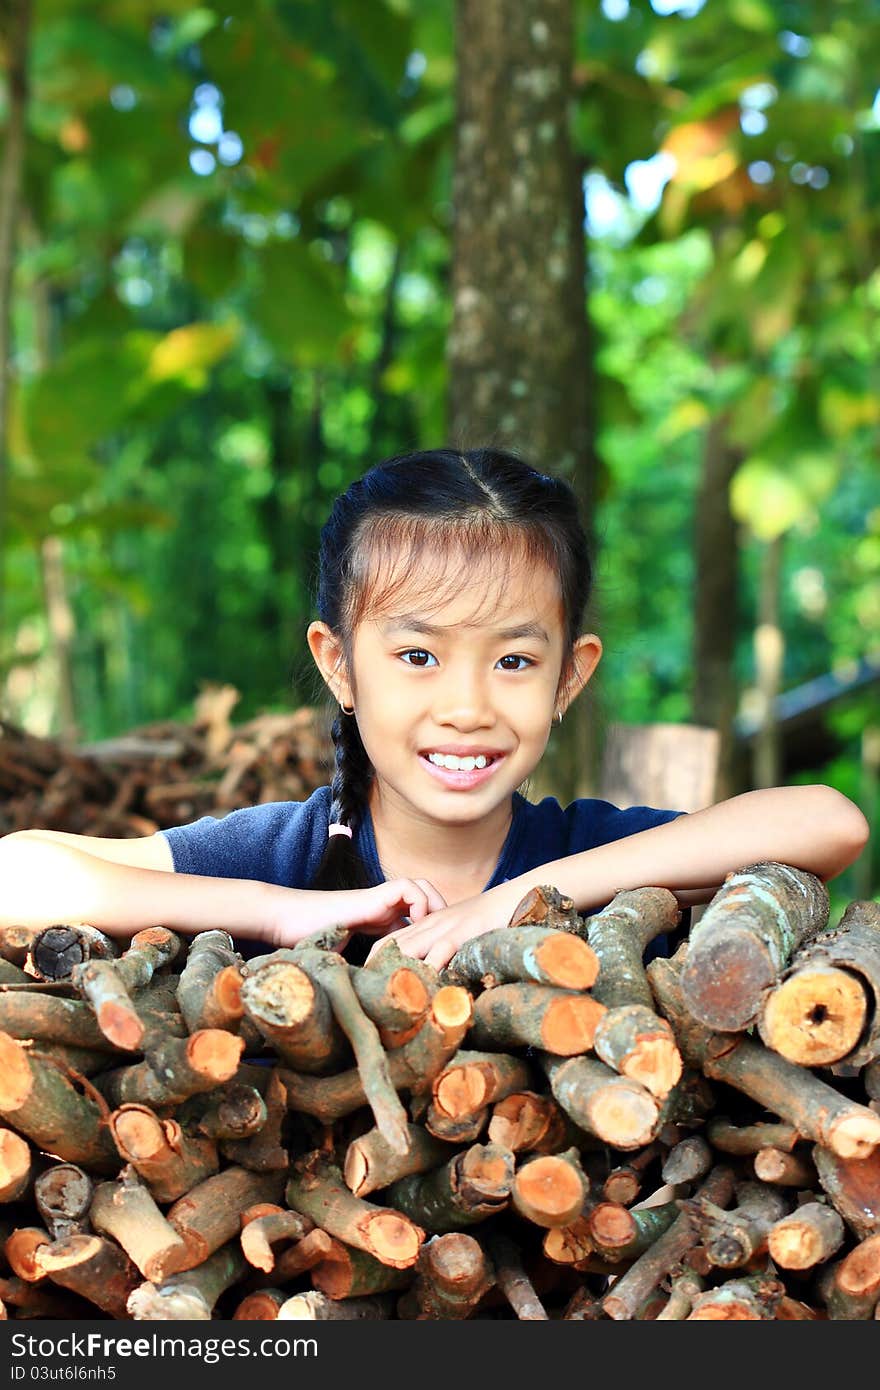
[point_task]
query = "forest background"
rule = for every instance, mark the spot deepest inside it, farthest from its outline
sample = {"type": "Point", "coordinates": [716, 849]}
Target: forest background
{"type": "Point", "coordinates": [246, 250]}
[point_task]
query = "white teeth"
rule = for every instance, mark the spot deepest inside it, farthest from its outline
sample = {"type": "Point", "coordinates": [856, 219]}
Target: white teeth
{"type": "Point", "coordinates": [454, 764]}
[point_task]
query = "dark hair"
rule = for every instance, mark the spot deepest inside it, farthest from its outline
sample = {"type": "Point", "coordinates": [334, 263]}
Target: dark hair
{"type": "Point", "coordinates": [422, 505]}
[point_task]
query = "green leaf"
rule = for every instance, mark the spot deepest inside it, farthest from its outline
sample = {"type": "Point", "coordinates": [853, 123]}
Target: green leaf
{"type": "Point", "coordinates": [299, 305]}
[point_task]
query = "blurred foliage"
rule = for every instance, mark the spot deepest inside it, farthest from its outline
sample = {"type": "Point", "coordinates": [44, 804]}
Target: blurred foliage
{"type": "Point", "coordinates": [231, 296]}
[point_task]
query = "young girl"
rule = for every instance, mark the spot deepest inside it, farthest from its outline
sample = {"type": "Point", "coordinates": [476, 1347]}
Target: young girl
{"type": "Point", "coordinates": [451, 593]}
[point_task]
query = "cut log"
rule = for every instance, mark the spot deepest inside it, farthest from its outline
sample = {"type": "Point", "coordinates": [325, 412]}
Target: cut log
{"type": "Point", "coordinates": [539, 954]}
{"type": "Point", "coordinates": [853, 1187]}
{"type": "Point", "coordinates": [745, 939]}
{"type": "Point", "coordinates": [784, 1169]}
{"type": "Point", "coordinates": [563, 1022]}
{"type": "Point", "coordinates": [63, 1196]}
{"type": "Point", "coordinates": [472, 1080]}
{"type": "Point", "coordinates": [466, 1130]}
{"type": "Point", "coordinates": [748, 1139]}
{"type": "Point", "coordinates": [471, 1187]}
{"type": "Point", "coordinates": [237, 1112]}
{"type": "Point", "coordinates": [754, 1299]}
{"type": "Point", "coordinates": [190, 1296]}
{"type": "Point", "coordinates": [303, 1256]}
{"type": "Point", "coordinates": [683, 1289]}
{"type": "Point", "coordinates": [317, 1307]}
{"type": "Point", "coordinates": [569, 1245]}
{"type": "Point", "coordinates": [92, 1267]}
{"type": "Point", "coordinates": [294, 1015]}
{"type": "Point", "coordinates": [641, 1279]}
{"type": "Point", "coordinates": [317, 1189]}
{"type": "Point", "coordinates": [38, 1100]}
{"type": "Point", "coordinates": [261, 1306]}
{"type": "Point", "coordinates": [453, 1275]}
{"type": "Point", "coordinates": [48, 1018]}
{"type": "Point", "coordinates": [809, 1236]}
{"type": "Point", "coordinates": [622, 1234]}
{"type": "Point", "coordinates": [264, 1152]}
{"type": "Point", "coordinates": [273, 1227]}
{"type": "Point", "coordinates": [545, 906]}
{"type": "Point", "coordinates": [852, 1287]}
{"type": "Point", "coordinates": [550, 1190]}
{"type": "Point", "coordinates": [174, 1070]}
{"type": "Point", "coordinates": [20, 1249]}
{"type": "Point", "coordinates": [207, 1216]}
{"type": "Point", "coordinates": [169, 1161]}
{"type": "Point", "coordinates": [371, 1163]}
{"type": "Point", "coordinates": [126, 1211]}
{"type": "Point", "coordinates": [15, 1165]}
{"type": "Point", "coordinates": [633, 1041]}
{"type": "Point", "coordinates": [55, 951]}
{"type": "Point", "coordinates": [346, 1272]}
{"type": "Point", "coordinates": [619, 1111]}
{"type": "Point", "coordinates": [527, 1122]}
{"type": "Point", "coordinates": [209, 985]}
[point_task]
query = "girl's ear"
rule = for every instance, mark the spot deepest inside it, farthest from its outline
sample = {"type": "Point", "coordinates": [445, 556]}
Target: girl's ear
{"type": "Point", "coordinates": [584, 660]}
{"type": "Point", "coordinates": [328, 655]}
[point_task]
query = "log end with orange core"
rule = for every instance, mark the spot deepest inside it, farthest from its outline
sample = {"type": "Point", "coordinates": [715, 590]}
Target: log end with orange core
{"type": "Point", "coordinates": [120, 1025]}
{"type": "Point", "coordinates": [566, 960]}
{"type": "Point", "coordinates": [569, 1024]}
{"type": "Point", "coordinates": [816, 1016]}
{"type": "Point", "coordinates": [623, 1113]}
{"type": "Point", "coordinates": [16, 1081]}
{"type": "Point", "coordinates": [549, 1191]}
{"type": "Point", "coordinates": [214, 1052]}
{"type": "Point", "coordinates": [394, 1239]}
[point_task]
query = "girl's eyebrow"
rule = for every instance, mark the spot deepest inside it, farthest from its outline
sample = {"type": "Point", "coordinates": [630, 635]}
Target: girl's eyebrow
{"type": "Point", "coordinates": [406, 622]}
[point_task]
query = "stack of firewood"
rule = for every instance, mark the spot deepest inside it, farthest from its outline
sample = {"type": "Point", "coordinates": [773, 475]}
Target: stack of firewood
{"type": "Point", "coordinates": [545, 1130]}
{"type": "Point", "coordinates": [163, 774]}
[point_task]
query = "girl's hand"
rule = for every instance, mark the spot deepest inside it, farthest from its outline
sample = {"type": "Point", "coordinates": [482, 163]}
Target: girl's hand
{"type": "Point", "coordinates": [371, 910]}
{"type": "Point", "coordinates": [437, 937]}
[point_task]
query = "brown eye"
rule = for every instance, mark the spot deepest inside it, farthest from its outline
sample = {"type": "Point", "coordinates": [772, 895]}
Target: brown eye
{"type": "Point", "coordinates": [417, 651]}
{"type": "Point", "coordinates": [517, 658]}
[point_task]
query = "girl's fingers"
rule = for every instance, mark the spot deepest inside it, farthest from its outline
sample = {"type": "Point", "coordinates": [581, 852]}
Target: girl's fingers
{"type": "Point", "coordinates": [436, 900]}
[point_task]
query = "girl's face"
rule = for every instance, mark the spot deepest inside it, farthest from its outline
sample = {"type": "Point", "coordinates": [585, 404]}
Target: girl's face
{"type": "Point", "coordinates": [467, 676]}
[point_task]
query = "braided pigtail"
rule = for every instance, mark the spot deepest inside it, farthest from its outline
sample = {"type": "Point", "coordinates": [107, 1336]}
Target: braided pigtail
{"type": "Point", "coordinates": [341, 866]}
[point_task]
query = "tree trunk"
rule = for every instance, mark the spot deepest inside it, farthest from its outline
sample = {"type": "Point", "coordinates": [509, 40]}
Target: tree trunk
{"type": "Point", "coordinates": [16, 28]}
{"type": "Point", "coordinates": [520, 355]}
{"type": "Point", "coordinates": [715, 600]}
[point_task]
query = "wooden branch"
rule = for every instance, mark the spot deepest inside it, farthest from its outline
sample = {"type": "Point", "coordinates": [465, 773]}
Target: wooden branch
{"type": "Point", "coordinates": [748, 1139]}
{"type": "Point", "coordinates": [49, 1018]}
{"type": "Point", "coordinates": [209, 985]}
{"type": "Point", "coordinates": [189, 1296]}
{"type": "Point", "coordinates": [38, 1100]}
{"type": "Point", "coordinates": [851, 1288]}
{"type": "Point", "coordinates": [784, 1169]}
{"type": "Point", "coordinates": [641, 1279]}
{"type": "Point", "coordinates": [371, 1163]}
{"type": "Point", "coordinates": [330, 971]}
{"type": "Point", "coordinates": [411, 1067]}
{"type": "Point", "coordinates": [54, 952]}
{"type": "Point", "coordinates": [465, 1130]}
{"type": "Point", "coordinates": [236, 1112]}
{"type": "Point", "coordinates": [63, 1196]}
{"type": "Point", "coordinates": [207, 1216]}
{"type": "Point", "coordinates": [513, 1281]}
{"type": "Point", "coordinates": [538, 954]}
{"type": "Point", "coordinates": [550, 1190]}
{"type": "Point", "coordinates": [20, 1249]}
{"type": "Point", "coordinates": [746, 938]}
{"type": "Point", "coordinates": [107, 984]}
{"type": "Point", "coordinates": [620, 934]}
{"type": "Point", "coordinates": [687, 1161]}
{"type": "Point", "coordinates": [346, 1272]}
{"type": "Point", "coordinates": [633, 1041]}
{"type": "Point", "coordinates": [453, 1275]}
{"type": "Point", "coordinates": [545, 906]}
{"type": "Point", "coordinates": [563, 1022]}
{"type": "Point", "coordinates": [261, 1306]}
{"type": "Point", "coordinates": [732, 1238]}
{"type": "Point", "coordinates": [808, 1236]}
{"type": "Point", "coordinates": [317, 1189]}
{"type": "Point", "coordinates": [620, 1234]}
{"type": "Point", "coordinates": [684, 1288]}
{"type": "Point", "coordinates": [94, 1268]}
{"type": "Point", "coordinates": [263, 1152]}
{"type": "Point", "coordinates": [126, 1211]}
{"type": "Point", "coordinates": [303, 1256]}
{"type": "Point", "coordinates": [469, 1188]}
{"type": "Point", "coordinates": [169, 1161]}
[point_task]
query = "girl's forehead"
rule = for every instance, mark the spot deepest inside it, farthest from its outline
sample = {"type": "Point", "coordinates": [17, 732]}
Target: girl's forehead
{"type": "Point", "coordinates": [449, 592]}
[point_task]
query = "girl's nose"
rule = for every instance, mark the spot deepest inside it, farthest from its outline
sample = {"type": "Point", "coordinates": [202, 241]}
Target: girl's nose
{"type": "Point", "coordinates": [464, 702]}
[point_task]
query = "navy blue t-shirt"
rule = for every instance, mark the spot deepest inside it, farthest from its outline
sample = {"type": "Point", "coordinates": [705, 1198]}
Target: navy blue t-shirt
{"type": "Point", "coordinates": [283, 842]}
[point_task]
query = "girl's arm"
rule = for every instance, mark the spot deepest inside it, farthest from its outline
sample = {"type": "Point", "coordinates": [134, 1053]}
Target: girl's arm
{"type": "Point", "coordinates": [815, 828]}
{"type": "Point", "coordinates": [46, 879]}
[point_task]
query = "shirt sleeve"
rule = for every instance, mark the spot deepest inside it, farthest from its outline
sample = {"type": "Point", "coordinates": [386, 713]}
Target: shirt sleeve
{"type": "Point", "coordinates": [279, 842]}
